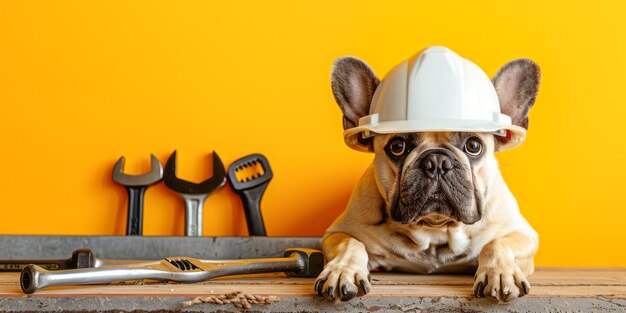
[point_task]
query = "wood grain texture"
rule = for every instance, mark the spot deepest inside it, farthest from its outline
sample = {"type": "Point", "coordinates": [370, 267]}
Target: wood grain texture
{"type": "Point", "coordinates": [546, 283]}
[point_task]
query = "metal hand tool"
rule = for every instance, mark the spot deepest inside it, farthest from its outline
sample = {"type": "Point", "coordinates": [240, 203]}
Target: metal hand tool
{"type": "Point", "coordinates": [136, 186]}
{"type": "Point", "coordinates": [81, 258]}
{"type": "Point", "coordinates": [194, 195]}
{"type": "Point", "coordinates": [249, 177]}
{"type": "Point", "coordinates": [296, 262]}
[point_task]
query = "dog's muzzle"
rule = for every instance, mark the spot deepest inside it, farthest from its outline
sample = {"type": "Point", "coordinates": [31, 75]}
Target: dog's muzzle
{"type": "Point", "coordinates": [436, 183]}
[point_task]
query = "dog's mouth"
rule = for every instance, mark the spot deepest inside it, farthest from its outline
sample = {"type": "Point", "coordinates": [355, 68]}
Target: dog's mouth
{"type": "Point", "coordinates": [436, 206]}
{"type": "Point", "coordinates": [438, 195]}
{"type": "Point", "coordinates": [437, 211]}
{"type": "Point", "coordinates": [435, 220]}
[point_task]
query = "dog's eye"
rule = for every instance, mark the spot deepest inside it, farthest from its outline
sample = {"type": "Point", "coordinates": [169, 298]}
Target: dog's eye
{"type": "Point", "coordinates": [397, 146]}
{"type": "Point", "coordinates": [473, 146]}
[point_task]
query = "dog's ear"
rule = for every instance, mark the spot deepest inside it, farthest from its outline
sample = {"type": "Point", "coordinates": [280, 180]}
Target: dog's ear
{"type": "Point", "coordinates": [517, 84]}
{"type": "Point", "coordinates": [353, 83]}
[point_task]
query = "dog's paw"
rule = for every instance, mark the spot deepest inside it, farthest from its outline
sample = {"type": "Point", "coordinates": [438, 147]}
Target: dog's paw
{"type": "Point", "coordinates": [503, 281]}
{"type": "Point", "coordinates": [342, 282]}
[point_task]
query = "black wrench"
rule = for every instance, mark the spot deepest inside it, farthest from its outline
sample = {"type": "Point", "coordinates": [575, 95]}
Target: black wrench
{"type": "Point", "coordinates": [193, 194]}
{"type": "Point", "coordinates": [136, 186]}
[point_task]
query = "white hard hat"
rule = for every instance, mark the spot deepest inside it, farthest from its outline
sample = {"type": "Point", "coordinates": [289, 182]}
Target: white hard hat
{"type": "Point", "coordinates": [435, 90]}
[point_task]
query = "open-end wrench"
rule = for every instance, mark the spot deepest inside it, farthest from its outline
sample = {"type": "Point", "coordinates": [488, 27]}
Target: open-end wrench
{"type": "Point", "coordinates": [193, 194]}
{"type": "Point", "coordinates": [296, 262]}
{"type": "Point", "coordinates": [136, 186]}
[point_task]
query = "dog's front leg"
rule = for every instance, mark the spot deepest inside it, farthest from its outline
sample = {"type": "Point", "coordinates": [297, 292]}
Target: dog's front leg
{"type": "Point", "coordinates": [503, 265]}
{"type": "Point", "coordinates": [345, 274]}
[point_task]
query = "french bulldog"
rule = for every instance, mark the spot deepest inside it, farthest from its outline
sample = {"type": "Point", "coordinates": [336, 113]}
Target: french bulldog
{"type": "Point", "coordinates": [431, 202]}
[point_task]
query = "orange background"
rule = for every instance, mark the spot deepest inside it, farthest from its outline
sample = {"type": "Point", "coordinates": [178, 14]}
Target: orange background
{"type": "Point", "coordinates": [85, 82]}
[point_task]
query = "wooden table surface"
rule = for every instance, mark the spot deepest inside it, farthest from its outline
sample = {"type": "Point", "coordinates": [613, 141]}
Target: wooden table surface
{"type": "Point", "coordinates": [548, 283]}
{"type": "Point", "coordinates": [545, 283]}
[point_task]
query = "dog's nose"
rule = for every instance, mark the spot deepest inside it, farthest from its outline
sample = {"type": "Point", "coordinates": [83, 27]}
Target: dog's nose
{"type": "Point", "coordinates": [436, 163]}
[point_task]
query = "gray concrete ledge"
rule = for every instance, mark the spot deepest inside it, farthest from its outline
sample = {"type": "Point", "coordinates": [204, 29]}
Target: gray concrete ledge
{"type": "Point", "coordinates": [150, 248]}
{"type": "Point", "coordinates": [312, 304]}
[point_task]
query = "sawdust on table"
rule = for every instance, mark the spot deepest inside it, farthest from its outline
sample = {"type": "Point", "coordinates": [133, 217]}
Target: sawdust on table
{"type": "Point", "coordinates": [237, 298]}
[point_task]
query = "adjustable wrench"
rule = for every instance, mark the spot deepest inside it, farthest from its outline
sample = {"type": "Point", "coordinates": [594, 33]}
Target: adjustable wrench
{"type": "Point", "coordinates": [193, 194]}
{"type": "Point", "coordinates": [136, 186]}
{"type": "Point", "coordinates": [296, 262]}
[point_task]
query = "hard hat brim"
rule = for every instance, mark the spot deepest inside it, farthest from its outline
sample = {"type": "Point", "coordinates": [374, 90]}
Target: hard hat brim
{"type": "Point", "coordinates": [351, 135]}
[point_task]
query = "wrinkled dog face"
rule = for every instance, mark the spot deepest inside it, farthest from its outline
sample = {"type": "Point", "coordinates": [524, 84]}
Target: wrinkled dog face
{"type": "Point", "coordinates": [434, 178]}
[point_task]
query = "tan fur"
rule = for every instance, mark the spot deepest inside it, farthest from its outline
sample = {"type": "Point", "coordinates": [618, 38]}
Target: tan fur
{"type": "Point", "coordinates": [500, 246]}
